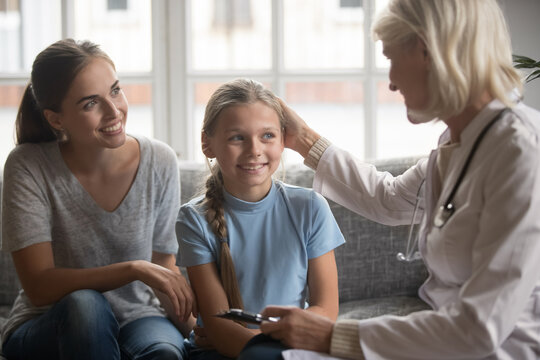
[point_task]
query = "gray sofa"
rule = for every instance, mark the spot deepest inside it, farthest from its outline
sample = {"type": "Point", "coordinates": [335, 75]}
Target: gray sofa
{"type": "Point", "coordinates": [371, 281]}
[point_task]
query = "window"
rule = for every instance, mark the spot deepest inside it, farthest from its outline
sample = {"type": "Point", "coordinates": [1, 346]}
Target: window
{"type": "Point", "coordinates": [117, 4]}
{"type": "Point", "coordinates": [172, 54]}
{"type": "Point", "coordinates": [316, 54]}
{"type": "Point", "coordinates": [27, 27]}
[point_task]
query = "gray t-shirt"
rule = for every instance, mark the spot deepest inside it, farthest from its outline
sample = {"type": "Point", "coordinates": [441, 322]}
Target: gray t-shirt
{"type": "Point", "coordinates": [43, 201]}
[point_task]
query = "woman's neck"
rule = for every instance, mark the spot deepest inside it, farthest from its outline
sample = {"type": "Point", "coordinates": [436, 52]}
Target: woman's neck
{"type": "Point", "coordinates": [458, 123]}
{"type": "Point", "coordinates": [85, 160]}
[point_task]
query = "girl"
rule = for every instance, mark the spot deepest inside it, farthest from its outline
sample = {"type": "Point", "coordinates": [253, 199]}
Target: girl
{"type": "Point", "coordinates": [251, 241]}
{"type": "Point", "coordinates": [87, 210]}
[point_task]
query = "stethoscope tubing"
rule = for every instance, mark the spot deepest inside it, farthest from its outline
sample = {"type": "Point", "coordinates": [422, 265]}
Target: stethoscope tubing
{"type": "Point", "coordinates": [445, 211]}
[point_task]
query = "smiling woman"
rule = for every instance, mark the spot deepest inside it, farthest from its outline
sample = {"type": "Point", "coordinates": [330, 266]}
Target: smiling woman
{"type": "Point", "coordinates": [72, 178]}
{"type": "Point", "coordinates": [93, 113]}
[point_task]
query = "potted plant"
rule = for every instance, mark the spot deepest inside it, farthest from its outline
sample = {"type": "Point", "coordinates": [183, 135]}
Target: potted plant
{"type": "Point", "coordinates": [523, 62]}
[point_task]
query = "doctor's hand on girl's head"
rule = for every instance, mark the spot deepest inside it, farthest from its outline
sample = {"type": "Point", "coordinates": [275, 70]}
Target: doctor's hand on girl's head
{"type": "Point", "coordinates": [298, 135]}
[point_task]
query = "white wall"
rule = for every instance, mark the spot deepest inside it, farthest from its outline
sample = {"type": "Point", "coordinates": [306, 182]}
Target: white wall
{"type": "Point", "coordinates": [523, 18]}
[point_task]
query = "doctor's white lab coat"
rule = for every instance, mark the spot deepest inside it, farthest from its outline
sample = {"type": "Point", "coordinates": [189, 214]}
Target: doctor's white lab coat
{"type": "Point", "coordinates": [484, 263]}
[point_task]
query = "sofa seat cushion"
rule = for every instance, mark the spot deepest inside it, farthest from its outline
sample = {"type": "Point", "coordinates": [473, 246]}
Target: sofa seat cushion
{"type": "Point", "coordinates": [393, 305]}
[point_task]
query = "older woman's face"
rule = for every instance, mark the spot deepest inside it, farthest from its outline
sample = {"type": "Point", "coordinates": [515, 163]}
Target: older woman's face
{"type": "Point", "coordinates": [409, 65]}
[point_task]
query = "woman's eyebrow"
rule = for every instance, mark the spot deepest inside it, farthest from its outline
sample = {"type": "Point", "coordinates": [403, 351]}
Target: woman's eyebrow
{"type": "Point", "coordinates": [89, 97]}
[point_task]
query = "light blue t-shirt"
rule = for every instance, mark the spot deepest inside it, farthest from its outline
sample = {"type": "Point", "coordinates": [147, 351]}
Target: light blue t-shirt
{"type": "Point", "coordinates": [270, 240]}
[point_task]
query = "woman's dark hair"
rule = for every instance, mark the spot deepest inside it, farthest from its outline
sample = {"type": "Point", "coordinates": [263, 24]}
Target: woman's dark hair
{"type": "Point", "coordinates": [53, 72]}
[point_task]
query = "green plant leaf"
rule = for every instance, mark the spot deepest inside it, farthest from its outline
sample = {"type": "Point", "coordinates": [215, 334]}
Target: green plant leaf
{"type": "Point", "coordinates": [532, 76]}
{"type": "Point", "coordinates": [528, 65]}
{"type": "Point", "coordinates": [522, 59]}
{"type": "Point", "coordinates": [524, 62]}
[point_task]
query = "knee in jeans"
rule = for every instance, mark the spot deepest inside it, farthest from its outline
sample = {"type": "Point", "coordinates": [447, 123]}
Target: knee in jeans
{"type": "Point", "coordinates": [164, 351]}
{"type": "Point", "coordinates": [85, 309]}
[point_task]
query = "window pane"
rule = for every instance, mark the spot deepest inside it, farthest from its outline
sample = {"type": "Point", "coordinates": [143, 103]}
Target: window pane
{"type": "Point", "coordinates": [396, 136]}
{"type": "Point", "coordinates": [26, 28]}
{"type": "Point", "coordinates": [380, 60]}
{"type": "Point", "coordinates": [230, 34]}
{"type": "Point", "coordinates": [10, 97]}
{"type": "Point", "coordinates": [321, 34]}
{"type": "Point", "coordinates": [139, 96]}
{"type": "Point", "coordinates": [124, 34]}
{"type": "Point", "coordinates": [334, 109]}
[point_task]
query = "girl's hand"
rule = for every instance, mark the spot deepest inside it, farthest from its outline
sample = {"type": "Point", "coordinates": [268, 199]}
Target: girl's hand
{"type": "Point", "coordinates": [298, 328]}
{"type": "Point", "coordinates": [170, 283]}
{"type": "Point", "coordinates": [201, 339]}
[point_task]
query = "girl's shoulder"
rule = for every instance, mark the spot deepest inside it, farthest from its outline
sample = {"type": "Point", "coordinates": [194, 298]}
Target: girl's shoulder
{"type": "Point", "coordinates": [194, 206]}
{"type": "Point", "coordinates": [299, 194]}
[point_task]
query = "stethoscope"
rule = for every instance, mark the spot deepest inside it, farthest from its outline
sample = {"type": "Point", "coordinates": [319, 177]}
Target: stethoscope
{"type": "Point", "coordinates": [445, 211]}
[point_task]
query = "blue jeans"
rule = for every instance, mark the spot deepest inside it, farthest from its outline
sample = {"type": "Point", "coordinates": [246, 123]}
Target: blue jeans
{"type": "Point", "coordinates": [262, 347]}
{"type": "Point", "coordinates": [83, 326]}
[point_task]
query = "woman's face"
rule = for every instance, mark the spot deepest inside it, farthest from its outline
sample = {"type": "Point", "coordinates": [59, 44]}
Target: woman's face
{"type": "Point", "coordinates": [409, 66]}
{"type": "Point", "coordinates": [94, 111]}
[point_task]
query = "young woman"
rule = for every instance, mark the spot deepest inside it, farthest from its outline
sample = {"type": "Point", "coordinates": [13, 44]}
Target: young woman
{"type": "Point", "coordinates": [251, 241]}
{"type": "Point", "coordinates": [88, 215]}
{"type": "Point", "coordinates": [480, 233]}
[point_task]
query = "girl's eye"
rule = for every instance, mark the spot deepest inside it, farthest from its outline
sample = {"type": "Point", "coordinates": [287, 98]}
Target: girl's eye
{"type": "Point", "coordinates": [89, 105]}
{"type": "Point", "coordinates": [269, 136]}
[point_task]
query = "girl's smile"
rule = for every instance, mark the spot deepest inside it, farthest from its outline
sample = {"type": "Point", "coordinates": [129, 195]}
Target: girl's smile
{"type": "Point", "coordinates": [247, 143]}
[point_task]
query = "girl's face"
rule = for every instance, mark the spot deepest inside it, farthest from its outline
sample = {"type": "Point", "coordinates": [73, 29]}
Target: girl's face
{"type": "Point", "coordinates": [94, 111]}
{"type": "Point", "coordinates": [247, 143]}
{"type": "Point", "coordinates": [409, 65]}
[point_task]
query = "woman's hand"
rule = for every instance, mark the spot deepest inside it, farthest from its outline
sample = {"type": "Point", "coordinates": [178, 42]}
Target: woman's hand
{"type": "Point", "coordinates": [298, 328]}
{"type": "Point", "coordinates": [172, 284]}
{"type": "Point", "coordinates": [298, 135]}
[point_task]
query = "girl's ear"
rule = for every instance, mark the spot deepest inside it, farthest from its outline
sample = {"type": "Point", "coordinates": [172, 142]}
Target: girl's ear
{"type": "Point", "coordinates": [54, 119]}
{"type": "Point", "coordinates": [205, 144]}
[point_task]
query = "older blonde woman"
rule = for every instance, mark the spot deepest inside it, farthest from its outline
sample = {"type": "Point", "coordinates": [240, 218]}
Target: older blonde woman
{"type": "Point", "coordinates": [480, 233]}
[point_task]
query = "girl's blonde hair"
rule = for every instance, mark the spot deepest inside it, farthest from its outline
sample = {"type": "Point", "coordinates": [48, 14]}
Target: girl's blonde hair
{"type": "Point", "coordinates": [233, 93]}
{"type": "Point", "coordinates": [468, 45]}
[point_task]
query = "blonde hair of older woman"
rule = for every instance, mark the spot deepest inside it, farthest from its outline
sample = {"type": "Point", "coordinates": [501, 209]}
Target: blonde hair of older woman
{"type": "Point", "coordinates": [468, 45]}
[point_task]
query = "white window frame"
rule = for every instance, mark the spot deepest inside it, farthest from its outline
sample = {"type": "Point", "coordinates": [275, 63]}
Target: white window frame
{"type": "Point", "coordinates": [174, 79]}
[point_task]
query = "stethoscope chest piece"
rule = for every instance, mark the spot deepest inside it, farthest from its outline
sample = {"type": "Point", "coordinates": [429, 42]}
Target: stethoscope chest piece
{"type": "Point", "coordinates": [442, 214]}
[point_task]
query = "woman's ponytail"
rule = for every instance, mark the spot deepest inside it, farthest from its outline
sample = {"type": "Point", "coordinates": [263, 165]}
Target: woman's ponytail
{"type": "Point", "coordinates": [30, 125]}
